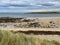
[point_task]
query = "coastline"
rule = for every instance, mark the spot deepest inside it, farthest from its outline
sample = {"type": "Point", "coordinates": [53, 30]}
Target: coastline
{"type": "Point", "coordinates": [44, 12]}
{"type": "Point", "coordinates": [46, 32]}
{"type": "Point", "coordinates": [28, 23]}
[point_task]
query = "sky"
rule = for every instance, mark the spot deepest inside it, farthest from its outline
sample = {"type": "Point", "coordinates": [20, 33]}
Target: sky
{"type": "Point", "coordinates": [29, 5]}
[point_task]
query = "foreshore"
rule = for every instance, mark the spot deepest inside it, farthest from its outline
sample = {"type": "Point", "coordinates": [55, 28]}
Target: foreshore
{"type": "Point", "coordinates": [47, 24]}
{"type": "Point", "coordinates": [44, 28]}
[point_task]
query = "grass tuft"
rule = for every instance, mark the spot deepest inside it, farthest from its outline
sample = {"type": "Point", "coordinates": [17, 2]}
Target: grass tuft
{"type": "Point", "coordinates": [10, 38]}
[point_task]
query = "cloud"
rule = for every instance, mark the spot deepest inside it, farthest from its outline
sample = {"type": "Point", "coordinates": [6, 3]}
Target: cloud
{"type": "Point", "coordinates": [28, 4]}
{"type": "Point", "coordinates": [56, 3]}
{"type": "Point", "coordinates": [47, 4]}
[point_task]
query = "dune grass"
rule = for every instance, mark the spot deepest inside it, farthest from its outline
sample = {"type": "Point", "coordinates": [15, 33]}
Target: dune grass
{"type": "Point", "coordinates": [10, 38]}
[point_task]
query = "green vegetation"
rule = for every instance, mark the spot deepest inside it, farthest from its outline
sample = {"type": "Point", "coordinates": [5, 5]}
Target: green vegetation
{"type": "Point", "coordinates": [11, 38]}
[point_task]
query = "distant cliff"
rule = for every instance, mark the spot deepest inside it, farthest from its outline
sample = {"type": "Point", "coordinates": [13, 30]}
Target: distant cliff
{"type": "Point", "coordinates": [44, 13]}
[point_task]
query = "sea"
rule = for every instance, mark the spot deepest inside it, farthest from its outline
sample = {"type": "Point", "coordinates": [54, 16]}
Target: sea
{"type": "Point", "coordinates": [22, 15]}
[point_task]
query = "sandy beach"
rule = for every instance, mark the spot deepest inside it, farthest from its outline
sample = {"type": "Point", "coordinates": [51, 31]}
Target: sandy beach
{"type": "Point", "coordinates": [50, 24]}
{"type": "Point", "coordinates": [38, 27]}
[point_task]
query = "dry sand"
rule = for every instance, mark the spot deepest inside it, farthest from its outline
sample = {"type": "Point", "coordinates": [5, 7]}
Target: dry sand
{"type": "Point", "coordinates": [55, 22]}
{"type": "Point", "coordinates": [47, 37]}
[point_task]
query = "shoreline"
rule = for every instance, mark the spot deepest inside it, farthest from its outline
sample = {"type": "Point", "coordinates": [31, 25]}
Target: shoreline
{"type": "Point", "coordinates": [8, 22]}
{"type": "Point", "coordinates": [42, 29]}
{"type": "Point", "coordinates": [28, 17]}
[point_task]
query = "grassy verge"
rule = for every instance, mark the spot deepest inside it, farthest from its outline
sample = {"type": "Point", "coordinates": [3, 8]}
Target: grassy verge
{"type": "Point", "coordinates": [10, 38]}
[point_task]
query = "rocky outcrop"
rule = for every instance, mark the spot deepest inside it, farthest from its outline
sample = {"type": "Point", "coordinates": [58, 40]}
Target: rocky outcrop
{"type": "Point", "coordinates": [29, 23]}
